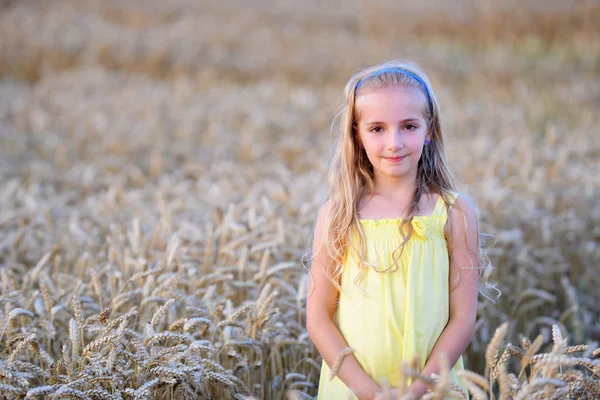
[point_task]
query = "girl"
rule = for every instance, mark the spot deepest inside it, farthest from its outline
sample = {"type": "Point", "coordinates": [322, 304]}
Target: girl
{"type": "Point", "coordinates": [396, 249]}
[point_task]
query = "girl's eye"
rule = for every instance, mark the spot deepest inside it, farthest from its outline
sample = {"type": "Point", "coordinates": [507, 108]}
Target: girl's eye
{"type": "Point", "coordinates": [413, 127]}
{"type": "Point", "coordinates": [376, 129]}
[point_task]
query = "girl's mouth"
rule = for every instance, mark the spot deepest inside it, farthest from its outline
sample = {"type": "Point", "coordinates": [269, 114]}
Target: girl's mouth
{"type": "Point", "coordinates": [395, 159]}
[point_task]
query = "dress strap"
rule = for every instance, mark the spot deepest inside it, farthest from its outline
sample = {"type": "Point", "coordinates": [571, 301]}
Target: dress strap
{"type": "Point", "coordinates": [439, 208]}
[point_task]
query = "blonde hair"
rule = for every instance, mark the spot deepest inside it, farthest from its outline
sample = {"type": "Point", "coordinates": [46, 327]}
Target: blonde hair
{"type": "Point", "coordinates": [351, 173]}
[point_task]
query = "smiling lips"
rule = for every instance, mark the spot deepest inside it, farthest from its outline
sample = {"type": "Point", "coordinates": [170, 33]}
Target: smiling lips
{"type": "Point", "coordinates": [395, 159]}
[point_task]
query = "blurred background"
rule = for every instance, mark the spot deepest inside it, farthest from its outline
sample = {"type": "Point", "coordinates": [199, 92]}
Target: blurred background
{"type": "Point", "coordinates": [206, 120]}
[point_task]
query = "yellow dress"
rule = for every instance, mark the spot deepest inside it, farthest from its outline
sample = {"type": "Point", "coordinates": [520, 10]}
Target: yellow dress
{"type": "Point", "coordinates": [396, 315]}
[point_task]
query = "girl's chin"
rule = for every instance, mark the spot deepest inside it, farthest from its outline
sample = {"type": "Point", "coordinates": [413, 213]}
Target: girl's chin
{"type": "Point", "coordinates": [395, 171]}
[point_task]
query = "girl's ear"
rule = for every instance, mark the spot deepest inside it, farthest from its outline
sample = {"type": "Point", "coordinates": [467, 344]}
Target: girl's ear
{"type": "Point", "coordinates": [429, 134]}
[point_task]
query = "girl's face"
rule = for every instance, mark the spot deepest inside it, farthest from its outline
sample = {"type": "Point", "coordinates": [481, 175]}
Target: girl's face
{"type": "Point", "coordinates": [392, 129]}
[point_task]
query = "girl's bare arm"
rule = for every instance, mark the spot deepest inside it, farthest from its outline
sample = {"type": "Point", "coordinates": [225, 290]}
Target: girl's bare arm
{"type": "Point", "coordinates": [458, 332]}
{"type": "Point", "coordinates": [320, 309]}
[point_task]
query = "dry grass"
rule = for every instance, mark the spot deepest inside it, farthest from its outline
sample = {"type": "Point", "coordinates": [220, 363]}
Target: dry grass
{"type": "Point", "coordinates": [161, 167]}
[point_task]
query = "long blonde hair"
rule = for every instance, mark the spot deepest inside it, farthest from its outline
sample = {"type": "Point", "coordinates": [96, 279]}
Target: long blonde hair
{"type": "Point", "coordinates": [351, 173]}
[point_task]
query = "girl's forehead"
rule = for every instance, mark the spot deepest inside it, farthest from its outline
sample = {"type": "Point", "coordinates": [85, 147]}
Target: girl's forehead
{"type": "Point", "coordinates": [390, 102]}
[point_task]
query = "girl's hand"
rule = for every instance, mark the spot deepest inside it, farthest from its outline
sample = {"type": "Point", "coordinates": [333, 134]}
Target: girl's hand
{"type": "Point", "coordinates": [414, 392]}
{"type": "Point", "coordinates": [393, 394]}
{"type": "Point", "coordinates": [367, 392]}
{"type": "Point", "coordinates": [417, 389]}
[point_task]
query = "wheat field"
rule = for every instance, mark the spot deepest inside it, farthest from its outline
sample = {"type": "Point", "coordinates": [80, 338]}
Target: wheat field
{"type": "Point", "coordinates": [162, 164]}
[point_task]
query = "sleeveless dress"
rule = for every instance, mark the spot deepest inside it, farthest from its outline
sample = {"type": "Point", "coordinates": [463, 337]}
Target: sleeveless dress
{"type": "Point", "coordinates": [394, 315]}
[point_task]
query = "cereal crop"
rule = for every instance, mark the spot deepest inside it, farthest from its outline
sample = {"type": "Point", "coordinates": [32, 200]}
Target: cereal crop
{"type": "Point", "coordinates": [162, 164]}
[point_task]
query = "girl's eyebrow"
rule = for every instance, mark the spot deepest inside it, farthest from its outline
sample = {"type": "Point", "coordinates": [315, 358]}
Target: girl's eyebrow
{"type": "Point", "coordinates": [412, 119]}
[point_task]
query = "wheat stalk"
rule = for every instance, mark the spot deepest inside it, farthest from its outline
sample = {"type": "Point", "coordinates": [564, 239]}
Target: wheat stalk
{"type": "Point", "coordinates": [337, 363]}
{"type": "Point", "coordinates": [161, 311]}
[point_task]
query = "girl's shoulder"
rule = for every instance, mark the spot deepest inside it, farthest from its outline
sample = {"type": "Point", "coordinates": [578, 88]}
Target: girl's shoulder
{"type": "Point", "coordinates": [461, 208]}
{"type": "Point", "coordinates": [459, 199]}
{"type": "Point", "coordinates": [458, 206]}
{"type": "Point", "coordinates": [450, 196]}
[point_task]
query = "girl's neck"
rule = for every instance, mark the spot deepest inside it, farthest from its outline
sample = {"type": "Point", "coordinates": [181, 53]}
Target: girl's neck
{"type": "Point", "coordinates": [395, 188]}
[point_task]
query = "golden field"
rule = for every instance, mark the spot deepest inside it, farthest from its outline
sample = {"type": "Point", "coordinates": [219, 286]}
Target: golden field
{"type": "Point", "coordinates": [162, 164]}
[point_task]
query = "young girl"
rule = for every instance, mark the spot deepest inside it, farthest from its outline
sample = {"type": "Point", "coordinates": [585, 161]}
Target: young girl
{"type": "Point", "coordinates": [396, 253]}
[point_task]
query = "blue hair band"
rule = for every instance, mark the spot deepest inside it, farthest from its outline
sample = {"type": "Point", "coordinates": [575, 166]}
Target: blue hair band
{"type": "Point", "coordinates": [403, 71]}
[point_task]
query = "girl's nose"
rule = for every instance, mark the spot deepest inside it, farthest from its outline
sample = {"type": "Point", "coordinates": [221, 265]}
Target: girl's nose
{"type": "Point", "coordinates": [395, 140]}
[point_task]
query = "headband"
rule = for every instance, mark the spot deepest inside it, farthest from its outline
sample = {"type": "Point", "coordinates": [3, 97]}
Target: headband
{"type": "Point", "coordinates": [403, 71]}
